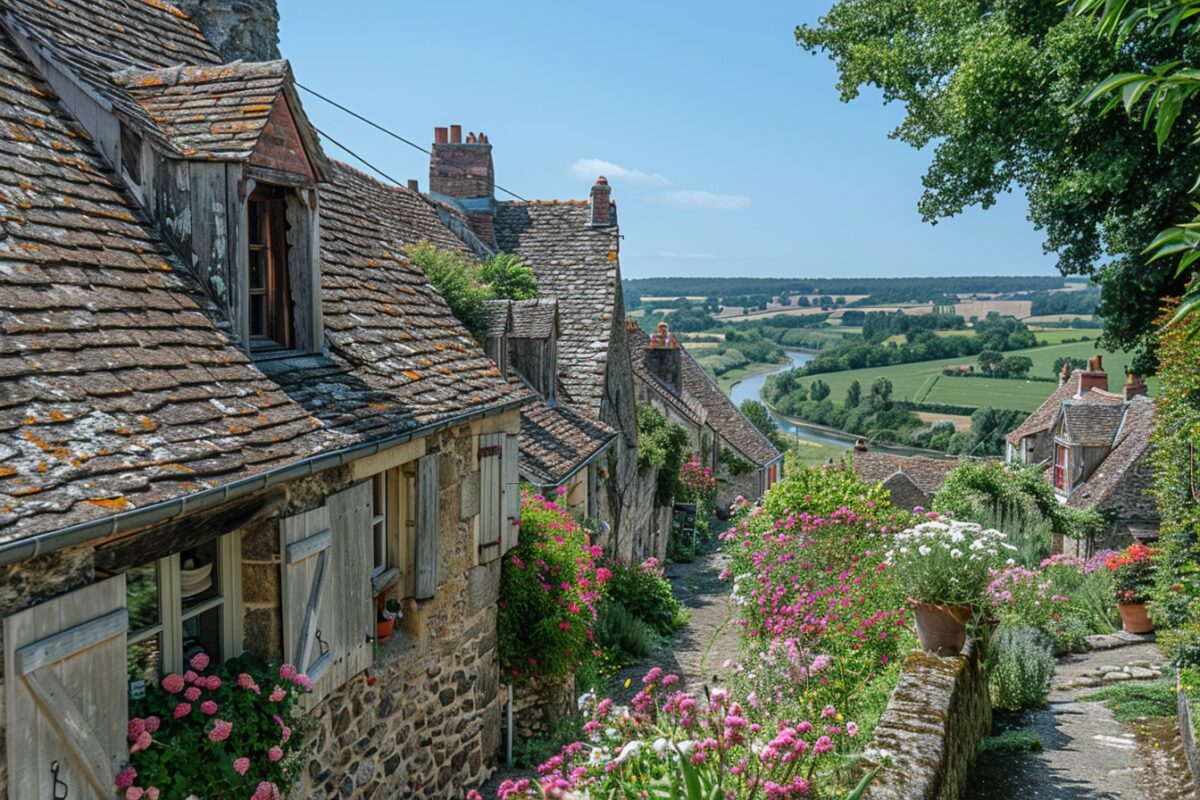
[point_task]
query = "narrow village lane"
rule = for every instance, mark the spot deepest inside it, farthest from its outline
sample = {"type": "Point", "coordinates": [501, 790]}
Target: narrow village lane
{"type": "Point", "coordinates": [1087, 753]}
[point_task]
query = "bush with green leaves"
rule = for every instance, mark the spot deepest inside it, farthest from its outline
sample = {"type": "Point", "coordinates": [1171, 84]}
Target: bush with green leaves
{"type": "Point", "coordinates": [468, 285]}
{"type": "Point", "coordinates": [821, 492]}
{"type": "Point", "coordinates": [662, 446]}
{"type": "Point", "coordinates": [645, 591]}
{"type": "Point", "coordinates": [1019, 666]}
{"type": "Point", "coordinates": [622, 633]}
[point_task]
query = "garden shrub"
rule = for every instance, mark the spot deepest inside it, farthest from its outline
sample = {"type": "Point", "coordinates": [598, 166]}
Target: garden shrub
{"type": "Point", "coordinates": [822, 491]}
{"type": "Point", "coordinates": [646, 593]}
{"type": "Point", "coordinates": [549, 586]}
{"type": "Point", "coordinates": [661, 446]}
{"type": "Point", "coordinates": [1060, 597]}
{"type": "Point", "coordinates": [468, 285]}
{"type": "Point", "coordinates": [1019, 667]}
{"type": "Point", "coordinates": [228, 731]}
{"type": "Point", "coordinates": [622, 633]}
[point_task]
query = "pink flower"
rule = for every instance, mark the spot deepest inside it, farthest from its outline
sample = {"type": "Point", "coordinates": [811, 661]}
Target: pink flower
{"type": "Point", "coordinates": [285, 734]}
{"type": "Point", "coordinates": [213, 683]}
{"type": "Point", "coordinates": [275, 753]}
{"type": "Point", "coordinates": [182, 710]}
{"type": "Point", "coordinates": [245, 681]}
{"type": "Point", "coordinates": [192, 694]}
{"type": "Point", "coordinates": [286, 672]}
{"type": "Point", "coordinates": [134, 793]}
{"type": "Point", "coordinates": [266, 791]}
{"type": "Point", "coordinates": [561, 490]}
{"type": "Point", "coordinates": [208, 708]}
{"type": "Point", "coordinates": [190, 676]}
{"type": "Point", "coordinates": [852, 729]}
{"type": "Point", "coordinates": [152, 793]}
{"type": "Point", "coordinates": [199, 662]}
{"type": "Point", "coordinates": [142, 742]}
{"type": "Point", "coordinates": [152, 723]}
{"type": "Point", "coordinates": [828, 711]}
{"type": "Point", "coordinates": [136, 728]}
{"type": "Point", "coordinates": [221, 730]}
{"type": "Point", "coordinates": [277, 695]}
{"type": "Point", "coordinates": [126, 777]}
{"type": "Point", "coordinates": [302, 681]}
{"type": "Point", "coordinates": [173, 683]}
{"type": "Point", "coordinates": [241, 765]}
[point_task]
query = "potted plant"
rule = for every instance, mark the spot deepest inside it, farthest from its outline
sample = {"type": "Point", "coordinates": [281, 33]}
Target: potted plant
{"type": "Point", "coordinates": [944, 567]}
{"type": "Point", "coordinates": [387, 619]}
{"type": "Point", "coordinates": [1133, 578]}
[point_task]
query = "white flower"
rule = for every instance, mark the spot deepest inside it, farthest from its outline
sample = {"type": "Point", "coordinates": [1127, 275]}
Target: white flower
{"type": "Point", "coordinates": [924, 550]}
{"type": "Point", "coordinates": [956, 553]}
{"type": "Point", "coordinates": [659, 745]}
{"type": "Point", "coordinates": [629, 750]}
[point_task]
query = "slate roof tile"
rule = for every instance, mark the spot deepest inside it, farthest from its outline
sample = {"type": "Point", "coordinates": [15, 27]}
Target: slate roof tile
{"type": "Point", "coordinates": [555, 441]}
{"type": "Point", "coordinates": [1043, 417]}
{"type": "Point", "coordinates": [1132, 442]}
{"type": "Point", "coordinates": [928, 474]}
{"type": "Point", "coordinates": [1091, 424]}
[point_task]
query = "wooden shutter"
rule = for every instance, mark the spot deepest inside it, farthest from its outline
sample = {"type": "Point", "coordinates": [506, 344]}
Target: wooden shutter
{"type": "Point", "coordinates": [511, 495]}
{"type": "Point", "coordinates": [491, 477]}
{"type": "Point", "coordinates": [306, 543]}
{"type": "Point", "coordinates": [352, 612]}
{"type": "Point", "coordinates": [427, 526]}
{"type": "Point", "coordinates": [65, 687]}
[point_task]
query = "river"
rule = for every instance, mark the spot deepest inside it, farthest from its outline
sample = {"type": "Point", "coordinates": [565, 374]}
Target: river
{"type": "Point", "coordinates": [751, 389]}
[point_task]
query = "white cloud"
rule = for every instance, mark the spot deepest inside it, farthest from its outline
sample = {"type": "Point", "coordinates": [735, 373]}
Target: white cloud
{"type": "Point", "coordinates": [589, 169]}
{"type": "Point", "coordinates": [686, 256]}
{"type": "Point", "coordinates": [695, 198]}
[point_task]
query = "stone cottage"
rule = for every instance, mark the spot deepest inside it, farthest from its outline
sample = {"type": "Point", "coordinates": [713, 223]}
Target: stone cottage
{"type": "Point", "coordinates": [911, 480]}
{"type": "Point", "coordinates": [1095, 444]}
{"type": "Point", "coordinates": [221, 387]}
{"type": "Point", "coordinates": [744, 460]}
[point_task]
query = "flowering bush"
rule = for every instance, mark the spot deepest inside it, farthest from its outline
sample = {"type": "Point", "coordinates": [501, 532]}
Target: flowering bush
{"type": "Point", "coordinates": [699, 484]}
{"type": "Point", "coordinates": [1133, 573]}
{"type": "Point", "coordinates": [946, 562]}
{"type": "Point", "coordinates": [643, 590]}
{"type": "Point", "coordinates": [671, 743]}
{"type": "Point", "coordinates": [225, 732]}
{"type": "Point", "coordinates": [549, 585]}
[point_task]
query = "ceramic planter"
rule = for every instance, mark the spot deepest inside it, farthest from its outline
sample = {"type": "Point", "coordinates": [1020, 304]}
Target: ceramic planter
{"type": "Point", "coordinates": [383, 629]}
{"type": "Point", "coordinates": [942, 629]}
{"type": "Point", "coordinates": [1134, 618]}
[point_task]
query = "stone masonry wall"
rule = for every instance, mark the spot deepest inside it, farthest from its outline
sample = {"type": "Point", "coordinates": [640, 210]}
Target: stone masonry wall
{"type": "Point", "coordinates": [932, 727]}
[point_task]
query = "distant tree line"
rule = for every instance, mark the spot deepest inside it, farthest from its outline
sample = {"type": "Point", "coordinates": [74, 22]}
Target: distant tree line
{"type": "Point", "coordinates": [1078, 302]}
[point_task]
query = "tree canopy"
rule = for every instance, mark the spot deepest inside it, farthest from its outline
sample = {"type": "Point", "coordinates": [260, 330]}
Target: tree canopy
{"type": "Point", "coordinates": [992, 88]}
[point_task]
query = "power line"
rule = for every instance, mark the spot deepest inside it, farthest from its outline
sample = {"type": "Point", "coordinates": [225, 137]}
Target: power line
{"type": "Point", "coordinates": [357, 157]}
{"type": "Point", "coordinates": [382, 129]}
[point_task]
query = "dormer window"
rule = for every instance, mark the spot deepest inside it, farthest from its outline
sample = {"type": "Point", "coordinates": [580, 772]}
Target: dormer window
{"type": "Point", "coordinates": [271, 311]}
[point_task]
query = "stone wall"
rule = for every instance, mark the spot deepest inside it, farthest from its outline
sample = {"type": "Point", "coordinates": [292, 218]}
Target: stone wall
{"type": "Point", "coordinates": [1187, 732]}
{"type": "Point", "coordinates": [538, 705]}
{"type": "Point", "coordinates": [238, 29]}
{"type": "Point", "coordinates": [620, 502]}
{"type": "Point", "coordinates": [930, 732]}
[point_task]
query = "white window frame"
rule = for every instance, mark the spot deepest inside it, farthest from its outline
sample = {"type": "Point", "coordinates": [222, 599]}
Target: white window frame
{"type": "Point", "coordinates": [172, 616]}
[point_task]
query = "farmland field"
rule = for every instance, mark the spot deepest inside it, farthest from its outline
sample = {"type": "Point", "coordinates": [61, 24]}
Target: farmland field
{"type": "Point", "coordinates": [910, 379]}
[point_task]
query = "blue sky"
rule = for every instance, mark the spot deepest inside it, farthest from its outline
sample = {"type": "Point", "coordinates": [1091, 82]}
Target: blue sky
{"type": "Point", "coordinates": [726, 145]}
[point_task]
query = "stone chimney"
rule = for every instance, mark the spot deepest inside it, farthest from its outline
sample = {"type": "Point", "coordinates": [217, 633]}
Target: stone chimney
{"type": "Point", "coordinates": [463, 172]}
{"type": "Point", "coordinates": [1094, 377]}
{"type": "Point", "coordinates": [238, 29]}
{"type": "Point", "coordinates": [414, 185]}
{"type": "Point", "coordinates": [1064, 374]}
{"type": "Point", "coordinates": [1135, 386]}
{"type": "Point", "coordinates": [601, 205]}
{"type": "Point", "coordinates": [860, 445]}
{"type": "Point", "coordinates": [664, 358]}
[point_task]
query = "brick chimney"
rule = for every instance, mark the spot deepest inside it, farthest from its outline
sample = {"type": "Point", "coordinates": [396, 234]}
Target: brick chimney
{"type": "Point", "coordinates": [463, 172]}
{"type": "Point", "coordinates": [601, 203]}
{"type": "Point", "coordinates": [1064, 374]}
{"type": "Point", "coordinates": [1135, 386]}
{"type": "Point", "coordinates": [237, 29]}
{"type": "Point", "coordinates": [1094, 377]}
{"type": "Point", "coordinates": [664, 358]}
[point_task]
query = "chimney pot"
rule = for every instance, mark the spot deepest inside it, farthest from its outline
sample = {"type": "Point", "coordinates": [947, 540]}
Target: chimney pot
{"type": "Point", "coordinates": [441, 135]}
{"type": "Point", "coordinates": [663, 358]}
{"type": "Point", "coordinates": [1135, 386]}
{"type": "Point", "coordinates": [456, 134]}
{"type": "Point", "coordinates": [1094, 377]}
{"type": "Point", "coordinates": [413, 185]}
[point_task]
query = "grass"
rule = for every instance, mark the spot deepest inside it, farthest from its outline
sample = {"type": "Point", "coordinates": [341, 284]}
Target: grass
{"type": "Point", "coordinates": [908, 380]}
{"type": "Point", "coordinates": [1011, 742]}
{"type": "Point", "coordinates": [1134, 700]}
{"type": "Point", "coordinates": [817, 454]}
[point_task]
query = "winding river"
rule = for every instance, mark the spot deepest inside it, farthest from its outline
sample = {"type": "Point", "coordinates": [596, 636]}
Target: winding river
{"type": "Point", "coordinates": [751, 389]}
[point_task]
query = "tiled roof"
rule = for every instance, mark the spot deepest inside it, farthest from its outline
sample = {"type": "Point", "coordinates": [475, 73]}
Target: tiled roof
{"type": "Point", "coordinates": [386, 324]}
{"type": "Point", "coordinates": [500, 318]}
{"type": "Point", "coordinates": [686, 406]}
{"type": "Point", "coordinates": [1091, 424]}
{"type": "Point", "coordinates": [216, 112]}
{"type": "Point", "coordinates": [927, 473]}
{"type": "Point", "coordinates": [1133, 439]}
{"type": "Point", "coordinates": [535, 319]}
{"type": "Point", "coordinates": [1043, 417]}
{"type": "Point", "coordinates": [575, 264]}
{"type": "Point", "coordinates": [556, 441]}
{"type": "Point", "coordinates": [116, 389]}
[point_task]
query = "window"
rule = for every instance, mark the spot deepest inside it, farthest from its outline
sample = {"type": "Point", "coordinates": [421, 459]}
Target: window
{"type": "Point", "coordinates": [1061, 460]}
{"type": "Point", "coordinates": [379, 523]}
{"type": "Point", "coordinates": [180, 605]}
{"type": "Point", "coordinates": [271, 326]}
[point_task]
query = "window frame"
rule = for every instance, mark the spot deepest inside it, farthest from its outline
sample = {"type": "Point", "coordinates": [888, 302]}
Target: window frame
{"type": "Point", "coordinates": [266, 214]}
{"type": "Point", "coordinates": [172, 616]}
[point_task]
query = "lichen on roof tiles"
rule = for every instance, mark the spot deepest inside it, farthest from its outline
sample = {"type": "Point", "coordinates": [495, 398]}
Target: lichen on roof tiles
{"type": "Point", "coordinates": [555, 441]}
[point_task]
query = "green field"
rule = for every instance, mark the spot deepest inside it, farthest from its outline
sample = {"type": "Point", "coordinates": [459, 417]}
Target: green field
{"type": "Point", "coordinates": [925, 378]}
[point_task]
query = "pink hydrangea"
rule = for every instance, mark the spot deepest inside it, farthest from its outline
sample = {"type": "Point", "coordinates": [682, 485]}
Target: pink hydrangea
{"type": "Point", "coordinates": [277, 694]}
{"type": "Point", "coordinates": [152, 723]}
{"type": "Point", "coordinates": [241, 765]}
{"type": "Point", "coordinates": [152, 793]}
{"type": "Point", "coordinates": [266, 791]}
{"type": "Point", "coordinates": [286, 672]}
{"type": "Point", "coordinates": [182, 710]}
{"type": "Point", "coordinates": [208, 708]}
{"type": "Point", "coordinates": [136, 728]}
{"type": "Point", "coordinates": [213, 683]}
{"type": "Point", "coordinates": [275, 753]}
{"type": "Point", "coordinates": [302, 681]}
{"type": "Point", "coordinates": [190, 676]}
{"type": "Point", "coordinates": [126, 777]}
{"type": "Point", "coordinates": [220, 731]}
{"type": "Point", "coordinates": [173, 683]}
{"type": "Point", "coordinates": [134, 793]}
{"type": "Point", "coordinates": [141, 743]}
{"type": "Point", "coordinates": [199, 662]}
{"type": "Point", "coordinates": [244, 680]}
{"type": "Point", "coordinates": [192, 694]}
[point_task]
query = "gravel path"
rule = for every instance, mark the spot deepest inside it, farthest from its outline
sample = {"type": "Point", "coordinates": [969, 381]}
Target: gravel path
{"type": "Point", "coordinates": [1087, 753]}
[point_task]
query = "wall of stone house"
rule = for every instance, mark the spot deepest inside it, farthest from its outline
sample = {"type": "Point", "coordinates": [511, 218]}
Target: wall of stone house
{"type": "Point", "coordinates": [426, 721]}
{"type": "Point", "coordinates": [730, 486]}
{"type": "Point", "coordinates": [620, 502]}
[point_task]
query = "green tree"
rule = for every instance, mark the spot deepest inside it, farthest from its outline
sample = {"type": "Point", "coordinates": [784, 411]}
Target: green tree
{"type": "Point", "coordinates": [992, 87]}
{"type": "Point", "coordinates": [819, 390]}
{"type": "Point", "coordinates": [990, 361]}
{"type": "Point", "coordinates": [880, 398]}
{"type": "Point", "coordinates": [468, 285]}
{"type": "Point", "coordinates": [853, 395]}
{"type": "Point", "coordinates": [1016, 366]}
{"type": "Point", "coordinates": [509, 277]}
{"type": "Point", "coordinates": [1076, 363]}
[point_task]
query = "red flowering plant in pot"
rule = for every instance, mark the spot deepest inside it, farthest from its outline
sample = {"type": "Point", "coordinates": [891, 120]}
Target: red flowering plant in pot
{"type": "Point", "coordinates": [216, 731]}
{"type": "Point", "coordinates": [1133, 579]}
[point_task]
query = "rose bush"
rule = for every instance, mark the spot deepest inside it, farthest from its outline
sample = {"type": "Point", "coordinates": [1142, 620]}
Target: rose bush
{"type": "Point", "coordinates": [224, 732]}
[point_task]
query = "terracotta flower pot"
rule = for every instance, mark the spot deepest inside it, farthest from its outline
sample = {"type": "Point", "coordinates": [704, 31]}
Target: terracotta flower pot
{"type": "Point", "coordinates": [942, 629]}
{"type": "Point", "coordinates": [1134, 618]}
{"type": "Point", "coordinates": [383, 629]}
